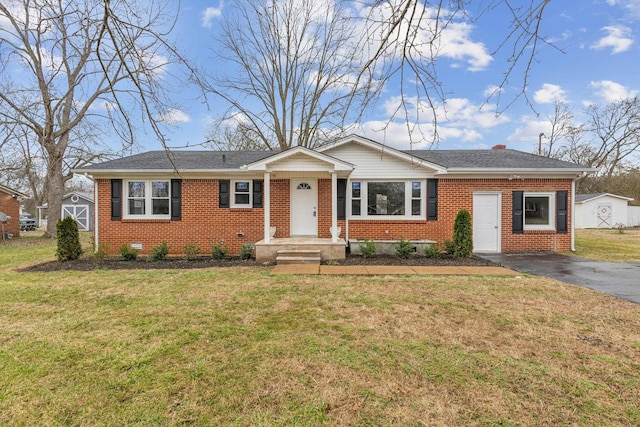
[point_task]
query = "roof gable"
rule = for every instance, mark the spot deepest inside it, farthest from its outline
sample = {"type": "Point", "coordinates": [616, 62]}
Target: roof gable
{"type": "Point", "coordinates": [581, 198]}
{"type": "Point", "coordinates": [300, 158]}
{"type": "Point", "coordinates": [12, 192]}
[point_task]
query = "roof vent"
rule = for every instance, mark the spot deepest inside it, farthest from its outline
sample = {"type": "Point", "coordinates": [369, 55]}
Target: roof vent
{"type": "Point", "coordinates": [499, 147]}
{"type": "Point", "coordinates": [224, 158]}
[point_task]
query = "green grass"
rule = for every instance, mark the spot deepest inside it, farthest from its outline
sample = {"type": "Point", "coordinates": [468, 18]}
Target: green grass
{"type": "Point", "coordinates": [608, 244]}
{"type": "Point", "coordinates": [241, 347]}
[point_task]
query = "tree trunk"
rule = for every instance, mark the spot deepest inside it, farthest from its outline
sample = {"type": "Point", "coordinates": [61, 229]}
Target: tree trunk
{"type": "Point", "coordinates": [54, 191]}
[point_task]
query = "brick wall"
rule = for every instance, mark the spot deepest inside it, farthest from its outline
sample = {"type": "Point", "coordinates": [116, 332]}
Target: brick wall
{"type": "Point", "coordinates": [11, 207]}
{"type": "Point", "coordinates": [204, 223]}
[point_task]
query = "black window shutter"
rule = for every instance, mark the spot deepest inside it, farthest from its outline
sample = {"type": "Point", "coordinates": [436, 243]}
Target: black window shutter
{"type": "Point", "coordinates": [517, 212]}
{"type": "Point", "coordinates": [176, 199]}
{"type": "Point", "coordinates": [342, 198]}
{"type": "Point", "coordinates": [224, 194]}
{"type": "Point", "coordinates": [257, 193]}
{"type": "Point", "coordinates": [432, 199]}
{"type": "Point", "coordinates": [561, 212]}
{"type": "Point", "coordinates": [116, 199]}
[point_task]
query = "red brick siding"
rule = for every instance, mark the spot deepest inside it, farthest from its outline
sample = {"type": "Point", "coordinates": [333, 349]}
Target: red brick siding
{"type": "Point", "coordinates": [204, 223]}
{"type": "Point", "coordinates": [11, 207]}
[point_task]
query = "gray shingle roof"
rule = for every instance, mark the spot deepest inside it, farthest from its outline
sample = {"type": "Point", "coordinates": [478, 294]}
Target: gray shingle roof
{"type": "Point", "coordinates": [184, 160]}
{"type": "Point", "coordinates": [491, 159]}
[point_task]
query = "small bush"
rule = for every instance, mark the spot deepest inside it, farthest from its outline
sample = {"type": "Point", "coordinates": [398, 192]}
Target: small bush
{"type": "Point", "coordinates": [219, 250]}
{"type": "Point", "coordinates": [160, 252]}
{"type": "Point", "coordinates": [448, 246]}
{"type": "Point", "coordinates": [246, 251]}
{"type": "Point", "coordinates": [101, 252]}
{"type": "Point", "coordinates": [368, 249]}
{"type": "Point", "coordinates": [404, 249]}
{"type": "Point", "coordinates": [68, 240]}
{"type": "Point", "coordinates": [462, 235]}
{"type": "Point", "coordinates": [128, 253]}
{"type": "Point", "coordinates": [433, 251]}
{"type": "Point", "coordinates": [191, 251]}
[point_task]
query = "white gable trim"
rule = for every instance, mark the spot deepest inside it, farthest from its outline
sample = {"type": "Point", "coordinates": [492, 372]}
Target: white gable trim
{"type": "Point", "coordinates": [74, 193]}
{"type": "Point", "coordinates": [383, 148]}
{"type": "Point", "coordinates": [336, 164]}
{"type": "Point", "coordinates": [597, 196]}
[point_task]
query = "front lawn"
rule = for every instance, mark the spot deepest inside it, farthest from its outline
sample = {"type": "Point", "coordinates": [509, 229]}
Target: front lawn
{"type": "Point", "coordinates": [240, 347]}
{"type": "Point", "coordinates": [609, 244]}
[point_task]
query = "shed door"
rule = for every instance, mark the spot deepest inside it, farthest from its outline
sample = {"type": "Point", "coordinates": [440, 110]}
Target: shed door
{"type": "Point", "coordinates": [486, 222]}
{"type": "Point", "coordinates": [78, 212]}
{"type": "Point", "coordinates": [604, 215]}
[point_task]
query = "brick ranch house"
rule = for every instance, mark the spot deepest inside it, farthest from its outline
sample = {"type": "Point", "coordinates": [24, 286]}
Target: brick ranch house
{"type": "Point", "coordinates": [10, 206]}
{"type": "Point", "coordinates": [332, 197]}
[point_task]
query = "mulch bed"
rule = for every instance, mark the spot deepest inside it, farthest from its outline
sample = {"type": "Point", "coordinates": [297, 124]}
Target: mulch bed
{"type": "Point", "coordinates": [90, 263]}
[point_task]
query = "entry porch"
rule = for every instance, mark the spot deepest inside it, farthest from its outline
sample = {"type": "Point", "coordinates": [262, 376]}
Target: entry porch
{"type": "Point", "coordinates": [300, 250]}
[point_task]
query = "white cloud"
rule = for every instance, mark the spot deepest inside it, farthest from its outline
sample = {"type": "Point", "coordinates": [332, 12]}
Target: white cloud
{"type": "Point", "coordinates": [549, 94]}
{"type": "Point", "coordinates": [528, 133]}
{"type": "Point", "coordinates": [618, 39]}
{"type": "Point", "coordinates": [456, 44]}
{"type": "Point", "coordinates": [174, 116]}
{"type": "Point", "coordinates": [611, 91]}
{"type": "Point", "coordinates": [210, 13]}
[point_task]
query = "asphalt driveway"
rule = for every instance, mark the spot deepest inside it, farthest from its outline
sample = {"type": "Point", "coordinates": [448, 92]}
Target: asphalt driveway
{"type": "Point", "coordinates": [619, 279]}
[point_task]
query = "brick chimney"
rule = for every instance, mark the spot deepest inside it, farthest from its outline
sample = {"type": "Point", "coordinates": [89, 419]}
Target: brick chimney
{"type": "Point", "coordinates": [499, 147]}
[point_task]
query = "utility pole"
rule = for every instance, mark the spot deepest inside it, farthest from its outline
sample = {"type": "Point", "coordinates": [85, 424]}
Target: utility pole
{"type": "Point", "coordinates": [540, 143]}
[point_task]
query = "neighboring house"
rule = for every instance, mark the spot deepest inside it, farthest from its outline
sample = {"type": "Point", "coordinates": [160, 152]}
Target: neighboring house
{"type": "Point", "coordinates": [332, 197]}
{"type": "Point", "coordinates": [79, 206]}
{"type": "Point", "coordinates": [601, 210]}
{"type": "Point", "coordinates": [10, 206]}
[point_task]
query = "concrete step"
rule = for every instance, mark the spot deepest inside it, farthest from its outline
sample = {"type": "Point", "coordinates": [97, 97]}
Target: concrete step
{"type": "Point", "coordinates": [298, 256]}
{"type": "Point", "coordinates": [297, 260]}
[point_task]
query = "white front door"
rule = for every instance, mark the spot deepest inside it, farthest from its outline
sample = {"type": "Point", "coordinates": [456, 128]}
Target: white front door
{"type": "Point", "coordinates": [304, 207]}
{"type": "Point", "coordinates": [78, 212]}
{"type": "Point", "coordinates": [486, 222]}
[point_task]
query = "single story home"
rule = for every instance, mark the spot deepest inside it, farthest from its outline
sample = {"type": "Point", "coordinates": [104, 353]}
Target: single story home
{"type": "Point", "coordinates": [10, 207]}
{"type": "Point", "coordinates": [601, 210]}
{"type": "Point", "coordinates": [326, 200]}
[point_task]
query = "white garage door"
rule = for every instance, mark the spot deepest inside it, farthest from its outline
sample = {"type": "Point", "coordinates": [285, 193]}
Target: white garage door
{"type": "Point", "coordinates": [486, 222]}
{"type": "Point", "coordinates": [78, 212]}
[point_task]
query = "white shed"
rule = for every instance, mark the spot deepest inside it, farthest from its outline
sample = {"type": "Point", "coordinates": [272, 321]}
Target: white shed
{"type": "Point", "coordinates": [601, 210]}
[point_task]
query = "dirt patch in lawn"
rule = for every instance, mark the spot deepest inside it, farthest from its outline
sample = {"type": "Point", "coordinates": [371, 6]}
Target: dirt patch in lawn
{"type": "Point", "coordinates": [90, 263]}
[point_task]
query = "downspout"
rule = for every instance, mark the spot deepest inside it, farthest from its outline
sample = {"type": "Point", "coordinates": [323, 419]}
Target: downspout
{"type": "Point", "coordinates": [95, 217]}
{"type": "Point", "coordinates": [573, 214]}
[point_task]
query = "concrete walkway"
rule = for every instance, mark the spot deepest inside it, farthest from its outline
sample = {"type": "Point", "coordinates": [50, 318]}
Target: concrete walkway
{"type": "Point", "coordinates": [385, 270]}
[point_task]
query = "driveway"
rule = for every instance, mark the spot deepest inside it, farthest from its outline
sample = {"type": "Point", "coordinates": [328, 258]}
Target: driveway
{"type": "Point", "coordinates": [619, 279]}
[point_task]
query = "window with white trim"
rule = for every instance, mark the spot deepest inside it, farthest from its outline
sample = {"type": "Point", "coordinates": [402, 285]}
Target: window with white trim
{"type": "Point", "coordinates": [539, 211]}
{"type": "Point", "coordinates": [392, 199]}
{"type": "Point", "coordinates": [241, 194]}
{"type": "Point", "coordinates": [147, 199]}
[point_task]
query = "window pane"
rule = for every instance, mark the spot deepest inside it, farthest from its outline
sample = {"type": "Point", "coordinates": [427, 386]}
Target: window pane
{"type": "Point", "coordinates": [136, 189]}
{"type": "Point", "coordinates": [160, 189]}
{"type": "Point", "coordinates": [415, 207]}
{"type": "Point", "coordinates": [415, 189]}
{"type": "Point", "coordinates": [355, 207]}
{"type": "Point", "coordinates": [385, 198]}
{"type": "Point", "coordinates": [160, 206]}
{"type": "Point", "coordinates": [136, 207]}
{"type": "Point", "coordinates": [241, 199]}
{"type": "Point", "coordinates": [242, 187]}
{"type": "Point", "coordinates": [536, 210]}
{"type": "Point", "coordinates": [355, 190]}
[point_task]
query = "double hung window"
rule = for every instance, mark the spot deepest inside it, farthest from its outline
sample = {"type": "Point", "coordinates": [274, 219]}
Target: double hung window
{"type": "Point", "coordinates": [241, 197]}
{"type": "Point", "coordinates": [147, 199]}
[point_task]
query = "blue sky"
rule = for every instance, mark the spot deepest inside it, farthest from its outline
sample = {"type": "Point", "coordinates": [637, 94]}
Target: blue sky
{"type": "Point", "coordinates": [595, 59]}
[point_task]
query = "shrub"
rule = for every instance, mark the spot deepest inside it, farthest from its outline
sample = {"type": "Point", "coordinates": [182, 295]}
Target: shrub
{"type": "Point", "coordinates": [218, 250]}
{"type": "Point", "coordinates": [404, 249]}
{"type": "Point", "coordinates": [101, 252]}
{"type": "Point", "coordinates": [368, 249]}
{"type": "Point", "coordinates": [128, 253]}
{"type": "Point", "coordinates": [68, 240]}
{"type": "Point", "coordinates": [246, 251]}
{"type": "Point", "coordinates": [448, 246]}
{"type": "Point", "coordinates": [191, 251]}
{"type": "Point", "coordinates": [160, 252]}
{"type": "Point", "coordinates": [433, 251]}
{"type": "Point", "coordinates": [462, 235]}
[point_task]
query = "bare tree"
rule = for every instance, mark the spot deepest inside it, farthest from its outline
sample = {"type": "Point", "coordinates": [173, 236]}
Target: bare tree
{"type": "Point", "coordinates": [291, 69]}
{"type": "Point", "coordinates": [306, 66]}
{"type": "Point", "coordinates": [83, 68]}
{"type": "Point", "coordinates": [562, 128]}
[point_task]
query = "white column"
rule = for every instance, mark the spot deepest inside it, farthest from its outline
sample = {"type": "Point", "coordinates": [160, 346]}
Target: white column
{"type": "Point", "coordinates": [266, 202]}
{"type": "Point", "coordinates": [334, 206]}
